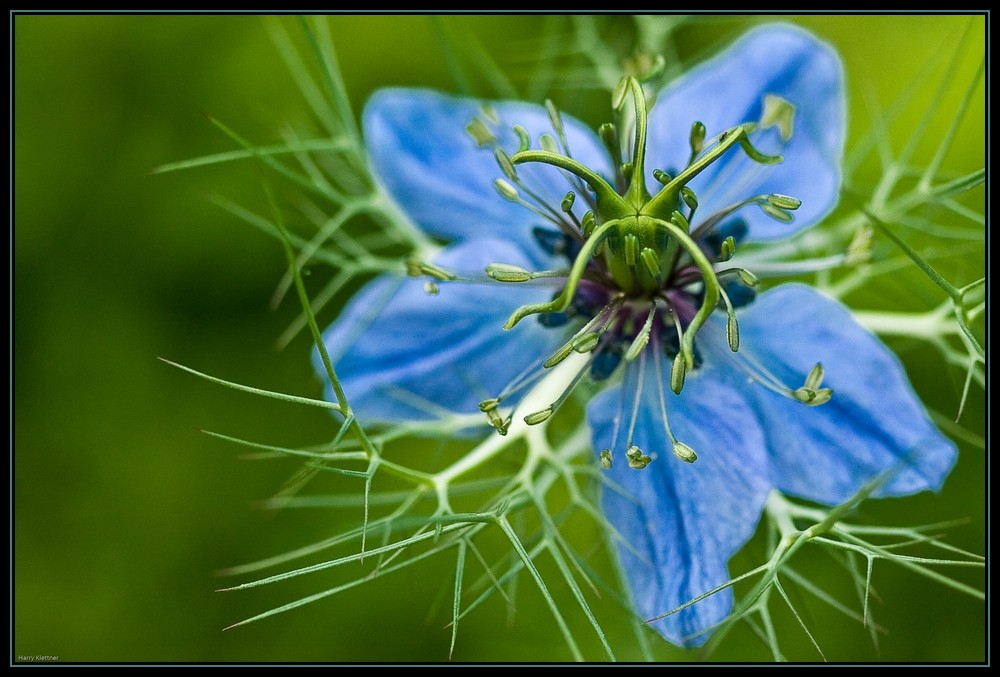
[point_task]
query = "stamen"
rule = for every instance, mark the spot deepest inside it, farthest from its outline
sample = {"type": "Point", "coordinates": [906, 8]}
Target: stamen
{"type": "Point", "coordinates": [709, 302]}
{"type": "Point", "coordinates": [631, 249]}
{"type": "Point", "coordinates": [642, 338]}
{"type": "Point", "coordinates": [605, 315]}
{"type": "Point", "coordinates": [506, 272]}
{"type": "Point", "coordinates": [652, 262]}
{"type": "Point", "coordinates": [548, 144]}
{"type": "Point", "coordinates": [606, 459]}
{"type": "Point", "coordinates": [732, 328]}
{"type": "Point", "coordinates": [668, 195]}
{"type": "Point", "coordinates": [609, 135]}
{"type": "Point", "coordinates": [523, 139]}
{"type": "Point", "coordinates": [691, 200]}
{"type": "Point", "coordinates": [480, 133]}
{"type": "Point", "coordinates": [697, 140]}
{"type": "Point", "coordinates": [572, 282]}
{"type": "Point", "coordinates": [417, 268]}
{"type": "Point", "coordinates": [680, 450]}
{"type": "Point", "coordinates": [542, 415]}
{"type": "Point", "coordinates": [780, 113]}
{"type": "Point", "coordinates": [728, 249]}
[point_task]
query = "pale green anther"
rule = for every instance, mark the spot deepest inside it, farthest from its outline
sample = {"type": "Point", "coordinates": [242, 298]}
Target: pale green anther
{"type": "Point", "coordinates": [431, 288]}
{"type": "Point", "coordinates": [417, 268]}
{"type": "Point", "coordinates": [677, 373]}
{"type": "Point", "coordinates": [606, 459]}
{"type": "Point", "coordinates": [661, 176]}
{"type": "Point", "coordinates": [697, 138]}
{"type": "Point", "coordinates": [689, 197]}
{"type": "Point", "coordinates": [642, 338]}
{"type": "Point", "coordinates": [523, 139]}
{"type": "Point", "coordinates": [626, 170]}
{"type": "Point", "coordinates": [480, 133]}
{"type": "Point", "coordinates": [748, 278]}
{"type": "Point", "coordinates": [567, 202]}
{"type": "Point", "coordinates": [778, 112]}
{"type": "Point", "coordinates": [538, 417]}
{"type": "Point", "coordinates": [554, 116]}
{"type": "Point", "coordinates": [728, 249]}
{"type": "Point", "coordinates": [560, 355]}
{"type": "Point", "coordinates": [589, 222]}
{"type": "Point", "coordinates": [775, 212]}
{"type": "Point", "coordinates": [652, 262]}
{"type": "Point", "coordinates": [506, 190]}
{"type": "Point", "coordinates": [618, 97]}
{"type": "Point", "coordinates": [586, 342]}
{"type": "Point", "coordinates": [608, 134]}
{"type": "Point", "coordinates": [860, 248]}
{"type": "Point", "coordinates": [784, 201]}
{"type": "Point", "coordinates": [733, 331]}
{"type": "Point", "coordinates": [684, 452]}
{"type": "Point", "coordinates": [815, 377]}
{"type": "Point", "coordinates": [680, 220]}
{"type": "Point", "coordinates": [813, 397]}
{"type": "Point", "coordinates": [505, 272]}
{"type": "Point", "coordinates": [490, 113]}
{"type": "Point", "coordinates": [506, 166]}
{"type": "Point", "coordinates": [489, 405]}
{"type": "Point", "coordinates": [504, 426]}
{"type": "Point", "coordinates": [549, 144]}
{"type": "Point", "coordinates": [631, 249]}
{"type": "Point", "coordinates": [636, 459]}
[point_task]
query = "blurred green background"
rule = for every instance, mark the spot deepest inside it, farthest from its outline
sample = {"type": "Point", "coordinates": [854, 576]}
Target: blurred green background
{"type": "Point", "coordinates": [123, 511]}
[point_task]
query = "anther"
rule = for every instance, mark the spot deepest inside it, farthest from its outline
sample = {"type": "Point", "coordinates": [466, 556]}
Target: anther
{"type": "Point", "coordinates": [696, 139]}
{"type": "Point", "coordinates": [417, 268]}
{"type": "Point", "coordinates": [661, 176]}
{"type": "Point", "coordinates": [815, 377]}
{"type": "Point", "coordinates": [748, 278]}
{"type": "Point", "coordinates": [506, 190]}
{"type": "Point", "coordinates": [585, 343]}
{"type": "Point", "coordinates": [606, 459]}
{"type": "Point", "coordinates": [780, 113]}
{"type": "Point", "coordinates": [631, 249]}
{"type": "Point", "coordinates": [523, 139]}
{"type": "Point", "coordinates": [505, 272]}
{"type": "Point", "coordinates": [506, 166]}
{"type": "Point", "coordinates": [567, 202]}
{"type": "Point", "coordinates": [480, 133]}
{"type": "Point", "coordinates": [728, 249]}
{"type": "Point", "coordinates": [539, 416]}
{"type": "Point", "coordinates": [548, 143]}
{"type": "Point", "coordinates": [431, 288]}
{"type": "Point", "coordinates": [684, 452]}
{"type": "Point", "coordinates": [636, 459]}
{"type": "Point", "coordinates": [642, 338]}
{"type": "Point", "coordinates": [678, 371]}
{"type": "Point", "coordinates": [652, 262]}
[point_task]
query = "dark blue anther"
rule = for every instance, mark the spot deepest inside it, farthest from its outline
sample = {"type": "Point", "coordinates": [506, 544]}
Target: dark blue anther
{"type": "Point", "coordinates": [604, 363]}
{"type": "Point", "coordinates": [551, 241]}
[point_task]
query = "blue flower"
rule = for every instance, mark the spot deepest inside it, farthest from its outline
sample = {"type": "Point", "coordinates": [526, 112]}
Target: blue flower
{"type": "Point", "coordinates": [643, 285]}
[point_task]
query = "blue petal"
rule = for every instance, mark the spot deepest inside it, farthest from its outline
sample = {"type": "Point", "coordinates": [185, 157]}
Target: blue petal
{"type": "Point", "coordinates": [682, 522]}
{"type": "Point", "coordinates": [873, 424]}
{"type": "Point", "coordinates": [401, 354]}
{"type": "Point", "coordinates": [423, 155]}
{"type": "Point", "coordinates": [729, 90]}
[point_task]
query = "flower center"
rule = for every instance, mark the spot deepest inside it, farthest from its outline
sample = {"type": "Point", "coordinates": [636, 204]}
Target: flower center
{"type": "Point", "coordinates": [639, 275]}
